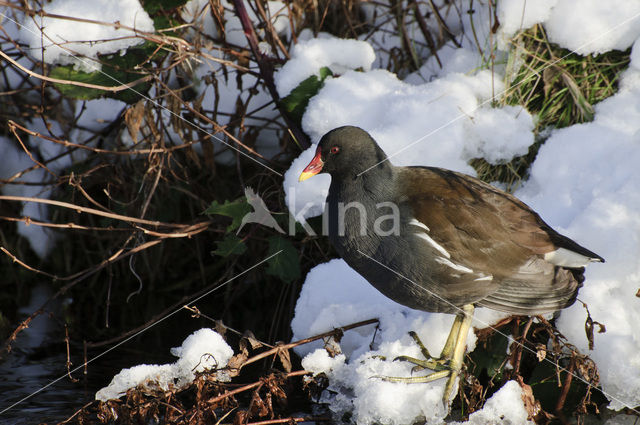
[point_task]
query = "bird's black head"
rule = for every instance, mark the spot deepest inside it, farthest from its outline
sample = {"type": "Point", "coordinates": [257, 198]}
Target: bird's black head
{"type": "Point", "coordinates": [345, 152]}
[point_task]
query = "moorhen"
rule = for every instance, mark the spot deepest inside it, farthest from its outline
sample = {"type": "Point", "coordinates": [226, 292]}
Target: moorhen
{"type": "Point", "coordinates": [441, 241]}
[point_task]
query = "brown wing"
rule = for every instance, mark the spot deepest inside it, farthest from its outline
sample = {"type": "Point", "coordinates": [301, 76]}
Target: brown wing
{"type": "Point", "coordinates": [493, 233]}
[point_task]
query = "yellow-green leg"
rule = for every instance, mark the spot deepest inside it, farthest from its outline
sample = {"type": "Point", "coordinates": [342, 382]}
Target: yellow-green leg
{"type": "Point", "coordinates": [458, 351]}
{"type": "Point", "coordinates": [450, 361]}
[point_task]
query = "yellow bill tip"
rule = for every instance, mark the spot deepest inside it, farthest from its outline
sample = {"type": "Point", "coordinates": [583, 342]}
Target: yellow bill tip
{"type": "Point", "coordinates": [305, 175]}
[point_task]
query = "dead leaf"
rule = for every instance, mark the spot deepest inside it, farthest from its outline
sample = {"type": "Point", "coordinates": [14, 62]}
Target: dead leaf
{"type": "Point", "coordinates": [235, 363]}
{"type": "Point", "coordinates": [533, 407]}
{"type": "Point", "coordinates": [133, 118]}
{"type": "Point", "coordinates": [541, 352]}
{"type": "Point", "coordinates": [251, 338]}
{"type": "Point", "coordinates": [549, 78]}
{"type": "Point", "coordinates": [589, 325]}
{"type": "Point", "coordinates": [285, 359]}
{"type": "Point", "coordinates": [332, 346]}
{"type": "Point", "coordinates": [220, 327]}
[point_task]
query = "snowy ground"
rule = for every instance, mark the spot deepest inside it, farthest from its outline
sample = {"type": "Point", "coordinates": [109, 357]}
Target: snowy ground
{"type": "Point", "coordinates": [584, 182]}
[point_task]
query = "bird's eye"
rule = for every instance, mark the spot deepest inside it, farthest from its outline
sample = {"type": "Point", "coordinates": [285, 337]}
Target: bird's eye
{"type": "Point", "coordinates": [334, 149]}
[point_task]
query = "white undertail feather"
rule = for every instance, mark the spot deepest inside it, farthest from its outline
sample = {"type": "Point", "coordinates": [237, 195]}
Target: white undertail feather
{"type": "Point", "coordinates": [566, 258]}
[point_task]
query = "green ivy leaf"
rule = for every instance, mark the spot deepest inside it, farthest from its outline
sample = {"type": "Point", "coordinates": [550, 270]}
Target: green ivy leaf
{"type": "Point", "coordinates": [230, 245]}
{"type": "Point", "coordinates": [114, 73]}
{"type": "Point", "coordinates": [295, 103]}
{"type": "Point", "coordinates": [285, 265]}
{"type": "Point", "coordinates": [235, 209]}
{"type": "Point", "coordinates": [154, 6]}
{"type": "Point", "coordinates": [491, 358]}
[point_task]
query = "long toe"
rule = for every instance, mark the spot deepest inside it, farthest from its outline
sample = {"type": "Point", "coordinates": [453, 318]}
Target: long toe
{"type": "Point", "coordinates": [429, 363]}
{"type": "Point", "coordinates": [417, 379]}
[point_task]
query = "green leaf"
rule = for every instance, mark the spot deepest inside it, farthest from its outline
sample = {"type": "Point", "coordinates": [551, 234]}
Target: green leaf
{"type": "Point", "coordinates": [230, 245]}
{"type": "Point", "coordinates": [285, 264]}
{"type": "Point", "coordinates": [491, 357]}
{"type": "Point", "coordinates": [295, 103]}
{"type": "Point", "coordinates": [153, 6]}
{"type": "Point", "coordinates": [235, 209]}
{"type": "Point", "coordinates": [115, 71]}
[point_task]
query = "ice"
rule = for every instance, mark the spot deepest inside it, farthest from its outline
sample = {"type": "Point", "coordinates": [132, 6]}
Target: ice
{"type": "Point", "coordinates": [203, 350]}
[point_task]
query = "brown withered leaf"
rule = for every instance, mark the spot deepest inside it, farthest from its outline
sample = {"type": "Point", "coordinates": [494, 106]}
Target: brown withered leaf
{"type": "Point", "coordinates": [550, 77]}
{"type": "Point", "coordinates": [249, 337]}
{"type": "Point", "coordinates": [241, 417]}
{"type": "Point", "coordinates": [236, 362]}
{"type": "Point", "coordinates": [532, 406]}
{"type": "Point", "coordinates": [133, 118]}
{"type": "Point", "coordinates": [285, 358]}
{"type": "Point", "coordinates": [274, 383]}
{"type": "Point", "coordinates": [220, 328]}
{"type": "Point", "coordinates": [332, 346]}
{"type": "Point", "coordinates": [541, 352]}
{"type": "Point", "coordinates": [589, 324]}
{"type": "Point", "coordinates": [259, 406]}
{"type": "Point", "coordinates": [207, 152]}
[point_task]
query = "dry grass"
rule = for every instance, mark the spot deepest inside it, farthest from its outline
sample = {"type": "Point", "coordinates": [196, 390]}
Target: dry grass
{"type": "Point", "coordinates": [557, 86]}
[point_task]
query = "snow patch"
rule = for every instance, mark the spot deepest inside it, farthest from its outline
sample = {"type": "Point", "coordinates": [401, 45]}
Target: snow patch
{"type": "Point", "coordinates": [203, 350]}
{"type": "Point", "coordinates": [84, 38]}
{"type": "Point", "coordinates": [307, 57]}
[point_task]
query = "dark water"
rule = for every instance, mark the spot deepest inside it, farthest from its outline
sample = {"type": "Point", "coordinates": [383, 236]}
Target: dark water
{"type": "Point", "coordinates": [34, 374]}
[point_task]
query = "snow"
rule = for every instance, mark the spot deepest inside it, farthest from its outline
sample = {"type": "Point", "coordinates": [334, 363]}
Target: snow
{"type": "Point", "coordinates": [593, 28]}
{"type": "Point", "coordinates": [504, 407]}
{"type": "Point", "coordinates": [92, 116]}
{"type": "Point", "coordinates": [518, 15]}
{"type": "Point", "coordinates": [334, 295]}
{"type": "Point", "coordinates": [402, 117]}
{"type": "Point", "coordinates": [13, 160]}
{"type": "Point", "coordinates": [307, 57]}
{"type": "Point", "coordinates": [583, 183]}
{"type": "Point", "coordinates": [203, 350]}
{"type": "Point", "coordinates": [84, 38]}
{"type": "Point", "coordinates": [593, 196]}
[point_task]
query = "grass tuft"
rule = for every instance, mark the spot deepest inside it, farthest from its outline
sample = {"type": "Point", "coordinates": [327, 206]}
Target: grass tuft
{"type": "Point", "coordinates": [557, 86]}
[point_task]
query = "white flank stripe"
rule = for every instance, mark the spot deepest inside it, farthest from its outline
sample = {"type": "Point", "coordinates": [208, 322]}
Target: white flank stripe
{"type": "Point", "coordinates": [415, 222]}
{"type": "Point", "coordinates": [433, 243]}
{"type": "Point", "coordinates": [489, 277]}
{"type": "Point", "coordinates": [454, 266]}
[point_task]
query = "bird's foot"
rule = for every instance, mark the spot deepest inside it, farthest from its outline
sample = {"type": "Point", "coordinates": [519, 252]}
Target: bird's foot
{"type": "Point", "coordinates": [441, 366]}
{"type": "Point", "coordinates": [436, 364]}
{"type": "Point", "coordinates": [449, 364]}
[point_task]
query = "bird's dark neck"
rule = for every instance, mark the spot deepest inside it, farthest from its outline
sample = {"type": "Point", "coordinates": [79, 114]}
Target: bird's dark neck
{"type": "Point", "coordinates": [353, 205]}
{"type": "Point", "coordinates": [373, 185]}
